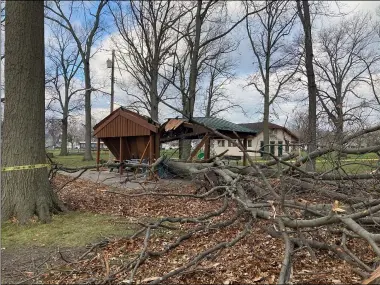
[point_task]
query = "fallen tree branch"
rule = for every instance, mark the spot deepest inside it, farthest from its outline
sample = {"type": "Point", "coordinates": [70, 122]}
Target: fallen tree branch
{"type": "Point", "coordinates": [204, 254]}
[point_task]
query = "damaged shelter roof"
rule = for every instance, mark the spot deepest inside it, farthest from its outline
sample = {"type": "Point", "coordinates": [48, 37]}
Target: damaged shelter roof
{"type": "Point", "coordinates": [214, 123]}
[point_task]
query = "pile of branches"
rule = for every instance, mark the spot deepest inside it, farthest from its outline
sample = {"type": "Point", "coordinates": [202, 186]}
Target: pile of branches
{"type": "Point", "coordinates": [271, 192]}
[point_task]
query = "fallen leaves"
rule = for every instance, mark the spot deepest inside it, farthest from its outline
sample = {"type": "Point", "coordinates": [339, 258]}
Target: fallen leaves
{"type": "Point", "coordinates": [255, 259]}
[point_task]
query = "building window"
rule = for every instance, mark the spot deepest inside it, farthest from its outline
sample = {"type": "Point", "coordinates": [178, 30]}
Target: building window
{"type": "Point", "coordinates": [261, 148]}
{"type": "Point", "coordinates": [279, 148]}
{"type": "Point", "coordinates": [272, 143]}
{"type": "Point", "coordinates": [230, 144]}
{"type": "Point", "coordinates": [286, 145]}
{"type": "Point", "coordinates": [249, 143]}
{"type": "Point", "coordinates": [294, 146]}
{"type": "Point", "coordinates": [221, 143]}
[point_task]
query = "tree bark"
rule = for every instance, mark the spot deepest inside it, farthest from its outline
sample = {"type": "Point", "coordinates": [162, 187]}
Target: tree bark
{"type": "Point", "coordinates": [304, 14]}
{"type": "Point", "coordinates": [87, 110]}
{"type": "Point", "coordinates": [266, 123]}
{"type": "Point", "coordinates": [194, 60]}
{"type": "Point", "coordinates": [266, 91]}
{"type": "Point", "coordinates": [63, 151]}
{"type": "Point", "coordinates": [154, 100]}
{"type": "Point", "coordinates": [184, 148]}
{"type": "Point", "coordinates": [340, 116]}
{"type": "Point", "coordinates": [25, 192]}
{"type": "Point", "coordinates": [189, 100]}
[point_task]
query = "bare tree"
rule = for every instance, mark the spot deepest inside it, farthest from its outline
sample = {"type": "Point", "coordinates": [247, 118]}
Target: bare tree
{"type": "Point", "coordinates": [26, 192]}
{"type": "Point", "coordinates": [299, 123]}
{"type": "Point", "coordinates": [65, 63]}
{"type": "Point", "coordinates": [269, 33]}
{"type": "Point", "coordinates": [209, 22]}
{"type": "Point", "coordinates": [147, 41]}
{"type": "Point", "coordinates": [85, 36]}
{"type": "Point", "coordinates": [373, 70]}
{"type": "Point", "coordinates": [304, 15]}
{"type": "Point", "coordinates": [218, 72]}
{"type": "Point", "coordinates": [345, 53]}
{"type": "Point", "coordinates": [74, 132]}
{"type": "Point", "coordinates": [53, 128]}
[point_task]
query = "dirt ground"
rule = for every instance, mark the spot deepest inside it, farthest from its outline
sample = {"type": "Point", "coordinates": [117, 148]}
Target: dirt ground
{"type": "Point", "coordinates": [255, 259]}
{"type": "Point", "coordinates": [111, 178]}
{"type": "Point", "coordinates": [22, 264]}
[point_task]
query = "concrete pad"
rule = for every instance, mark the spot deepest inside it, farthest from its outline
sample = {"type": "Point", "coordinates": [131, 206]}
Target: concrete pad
{"type": "Point", "coordinates": [114, 179]}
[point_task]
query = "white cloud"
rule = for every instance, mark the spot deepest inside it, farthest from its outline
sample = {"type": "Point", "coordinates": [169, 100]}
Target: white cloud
{"type": "Point", "coordinates": [249, 99]}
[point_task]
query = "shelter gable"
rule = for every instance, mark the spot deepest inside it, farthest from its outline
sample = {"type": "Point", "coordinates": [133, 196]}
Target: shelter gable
{"type": "Point", "coordinates": [121, 126]}
{"type": "Point", "coordinates": [122, 122]}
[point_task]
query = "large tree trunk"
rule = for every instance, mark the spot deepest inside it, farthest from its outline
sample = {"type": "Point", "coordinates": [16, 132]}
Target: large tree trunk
{"type": "Point", "coordinates": [339, 116]}
{"type": "Point", "coordinates": [87, 110]}
{"type": "Point", "coordinates": [25, 192]}
{"type": "Point", "coordinates": [304, 14]}
{"type": "Point", "coordinates": [266, 124]}
{"type": "Point", "coordinates": [154, 94]}
{"type": "Point", "coordinates": [63, 151]}
{"type": "Point", "coordinates": [194, 60]}
{"type": "Point", "coordinates": [188, 110]}
{"type": "Point", "coordinates": [184, 149]}
{"type": "Point", "coordinates": [209, 100]}
{"type": "Point", "coordinates": [266, 95]}
{"type": "Point", "coordinates": [188, 170]}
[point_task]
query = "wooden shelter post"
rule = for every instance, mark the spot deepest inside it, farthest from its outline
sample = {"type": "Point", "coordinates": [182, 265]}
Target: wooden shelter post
{"type": "Point", "coordinates": [97, 154]}
{"type": "Point", "coordinates": [151, 148]}
{"type": "Point", "coordinates": [207, 148]}
{"type": "Point", "coordinates": [244, 153]}
{"type": "Point", "coordinates": [157, 146]}
{"type": "Point", "coordinates": [121, 156]}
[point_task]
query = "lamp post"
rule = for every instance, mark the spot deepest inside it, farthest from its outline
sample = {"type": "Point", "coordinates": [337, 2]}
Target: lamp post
{"type": "Point", "coordinates": [111, 64]}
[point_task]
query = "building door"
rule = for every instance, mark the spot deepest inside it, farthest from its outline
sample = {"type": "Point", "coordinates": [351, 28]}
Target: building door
{"type": "Point", "coordinates": [280, 148]}
{"type": "Point", "coordinates": [272, 143]}
{"type": "Point", "coordinates": [261, 148]}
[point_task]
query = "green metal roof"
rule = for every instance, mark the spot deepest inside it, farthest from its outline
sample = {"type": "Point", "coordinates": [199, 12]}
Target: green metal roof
{"type": "Point", "coordinates": [223, 125]}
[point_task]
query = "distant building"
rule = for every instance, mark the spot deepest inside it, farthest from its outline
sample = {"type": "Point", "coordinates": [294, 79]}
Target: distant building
{"type": "Point", "coordinates": [82, 145]}
{"type": "Point", "coordinates": [170, 145]}
{"type": "Point", "coordinates": [281, 141]}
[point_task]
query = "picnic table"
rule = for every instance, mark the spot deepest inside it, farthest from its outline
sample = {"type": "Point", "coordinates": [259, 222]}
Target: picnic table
{"type": "Point", "coordinates": [129, 164]}
{"type": "Point", "coordinates": [236, 158]}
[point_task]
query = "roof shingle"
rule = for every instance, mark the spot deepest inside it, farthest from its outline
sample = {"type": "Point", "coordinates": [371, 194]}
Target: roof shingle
{"type": "Point", "coordinates": [222, 125]}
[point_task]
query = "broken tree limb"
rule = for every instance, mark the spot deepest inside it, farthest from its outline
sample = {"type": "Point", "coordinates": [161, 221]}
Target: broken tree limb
{"type": "Point", "coordinates": [198, 147]}
{"type": "Point", "coordinates": [286, 267]}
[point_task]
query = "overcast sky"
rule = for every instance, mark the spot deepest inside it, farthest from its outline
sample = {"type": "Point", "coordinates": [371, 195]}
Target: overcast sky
{"type": "Point", "coordinates": [246, 96]}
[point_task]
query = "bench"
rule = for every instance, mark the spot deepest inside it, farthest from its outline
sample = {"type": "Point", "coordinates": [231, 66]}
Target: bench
{"type": "Point", "coordinates": [232, 157]}
{"type": "Point", "coordinates": [144, 164]}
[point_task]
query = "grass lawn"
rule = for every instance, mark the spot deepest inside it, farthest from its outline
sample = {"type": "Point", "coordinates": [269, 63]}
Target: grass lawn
{"type": "Point", "coordinates": [351, 164]}
{"type": "Point", "coordinates": [171, 153]}
{"type": "Point", "coordinates": [72, 229]}
{"type": "Point", "coordinates": [75, 159]}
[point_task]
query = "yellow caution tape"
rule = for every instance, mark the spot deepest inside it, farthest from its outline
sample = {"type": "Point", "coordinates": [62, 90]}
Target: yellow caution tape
{"type": "Point", "coordinates": [23, 167]}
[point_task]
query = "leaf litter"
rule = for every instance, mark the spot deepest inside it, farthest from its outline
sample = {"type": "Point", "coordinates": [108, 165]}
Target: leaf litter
{"type": "Point", "coordinates": [256, 259]}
